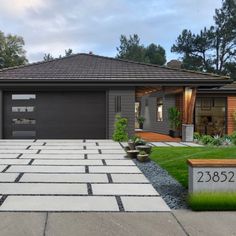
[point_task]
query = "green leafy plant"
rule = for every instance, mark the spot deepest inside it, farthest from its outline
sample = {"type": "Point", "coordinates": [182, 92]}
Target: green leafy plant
{"type": "Point", "coordinates": [212, 201]}
{"type": "Point", "coordinates": [233, 137]}
{"type": "Point", "coordinates": [142, 153]}
{"type": "Point", "coordinates": [196, 136]}
{"type": "Point", "coordinates": [206, 139]}
{"type": "Point", "coordinates": [140, 119]}
{"type": "Point", "coordinates": [120, 133]}
{"type": "Point", "coordinates": [174, 118]}
{"type": "Point", "coordinates": [216, 141]}
{"type": "Point", "coordinates": [140, 141]}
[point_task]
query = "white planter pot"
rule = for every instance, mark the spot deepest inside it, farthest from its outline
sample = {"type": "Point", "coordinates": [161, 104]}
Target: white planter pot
{"type": "Point", "coordinates": [187, 132]}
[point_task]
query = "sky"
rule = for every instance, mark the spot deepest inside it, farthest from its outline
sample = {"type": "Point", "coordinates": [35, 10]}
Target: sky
{"type": "Point", "coordinates": [51, 26]}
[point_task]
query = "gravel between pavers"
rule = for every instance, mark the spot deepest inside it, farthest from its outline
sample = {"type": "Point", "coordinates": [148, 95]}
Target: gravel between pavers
{"type": "Point", "coordinates": [171, 190]}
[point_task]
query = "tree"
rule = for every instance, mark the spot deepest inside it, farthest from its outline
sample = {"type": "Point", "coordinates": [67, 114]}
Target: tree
{"type": "Point", "coordinates": [213, 49]}
{"type": "Point", "coordinates": [68, 52]}
{"type": "Point", "coordinates": [156, 54]}
{"type": "Point", "coordinates": [48, 57]}
{"type": "Point", "coordinates": [131, 49]}
{"type": "Point", "coordinates": [12, 51]}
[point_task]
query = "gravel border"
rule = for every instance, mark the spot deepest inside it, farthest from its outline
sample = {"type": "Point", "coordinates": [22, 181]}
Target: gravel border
{"type": "Point", "coordinates": [170, 189]}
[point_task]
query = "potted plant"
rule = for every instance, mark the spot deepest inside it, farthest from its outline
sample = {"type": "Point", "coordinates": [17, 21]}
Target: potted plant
{"type": "Point", "coordinates": [142, 156]}
{"type": "Point", "coordinates": [174, 119]}
{"type": "Point", "coordinates": [140, 120]}
{"type": "Point", "coordinates": [132, 153]}
{"type": "Point", "coordinates": [131, 142]}
{"type": "Point", "coordinates": [145, 148]}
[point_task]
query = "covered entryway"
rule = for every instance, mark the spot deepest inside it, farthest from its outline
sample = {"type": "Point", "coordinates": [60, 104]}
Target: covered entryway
{"type": "Point", "coordinates": [72, 115]}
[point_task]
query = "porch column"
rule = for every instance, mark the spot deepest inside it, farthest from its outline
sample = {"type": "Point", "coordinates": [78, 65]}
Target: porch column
{"type": "Point", "coordinates": [189, 98]}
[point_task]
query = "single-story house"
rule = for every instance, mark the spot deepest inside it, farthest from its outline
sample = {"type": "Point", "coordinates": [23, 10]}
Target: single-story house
{"type": "Point", "coordinates": [78, 97]}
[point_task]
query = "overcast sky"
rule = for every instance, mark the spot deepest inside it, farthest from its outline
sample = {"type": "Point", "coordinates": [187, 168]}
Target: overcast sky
{"type": "Point", "coordinates": [96, 25]}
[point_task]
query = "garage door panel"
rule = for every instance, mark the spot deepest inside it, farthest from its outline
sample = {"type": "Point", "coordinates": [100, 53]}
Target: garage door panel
{"type": "Point", "coordinates": [59, 115]}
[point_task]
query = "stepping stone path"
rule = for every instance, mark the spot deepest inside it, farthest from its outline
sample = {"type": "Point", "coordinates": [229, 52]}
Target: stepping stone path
{"type": "Point", "coordinates": [73, 175]}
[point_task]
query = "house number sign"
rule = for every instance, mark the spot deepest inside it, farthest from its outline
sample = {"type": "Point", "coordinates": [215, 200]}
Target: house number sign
{"type": "Point", "coordinates": [212, 175]}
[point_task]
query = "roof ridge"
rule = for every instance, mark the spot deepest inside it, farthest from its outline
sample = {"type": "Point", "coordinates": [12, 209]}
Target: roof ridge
{"type": "Point", "coordinates": [115, 59]}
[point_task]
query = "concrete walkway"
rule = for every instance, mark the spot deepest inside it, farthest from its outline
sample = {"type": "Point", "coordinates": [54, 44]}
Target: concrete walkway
{"type": "Point", "coordinates": [72, 176]}
{"type": "Point", "coordinates": [178, 223]}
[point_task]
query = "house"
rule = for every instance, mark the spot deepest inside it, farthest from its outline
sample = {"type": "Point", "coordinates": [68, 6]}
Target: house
{"type": "Point", "coordinates": [78, 97]}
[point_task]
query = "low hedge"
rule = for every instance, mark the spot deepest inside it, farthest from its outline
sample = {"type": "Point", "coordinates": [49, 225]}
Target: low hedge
{"type": "Point", "coordinates": [214, 201]}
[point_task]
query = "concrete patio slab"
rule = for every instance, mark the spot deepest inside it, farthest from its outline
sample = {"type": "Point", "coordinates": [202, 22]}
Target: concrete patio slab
{"type": "Point", "coordinates": [42, 189]}
{"type": "Point", "coordinates": [120, 163]}
{"type": "Point", "coordinates": [22, 224]}
{"type": "Point", "coordinates": [88, 151]}
{"type": "Point", "coordinates": [175, 144]}
{"type": "Point", "coordinates": [14, 161]}
{"type": "Point", "coordinates": [11, 147]}
{"type": "Point", "coordinates": [2, 167]}
{"type": "Point", "coordinates": [191, 144]}
{"type": "Point", "coordinates": [105, 147]}
{"type": "Point", "coordinates": [50, 169]}
{"type": "Point", "coordinates": [59, 203]}
{"type": "Point", "coordinates": [129, 178]}
{"type": "Point", "coordinates": [17, 151]}
{"type": "Point", "coordinates": [52, 156]}
{"type": "Point", "coordinates": [72, 178]}
{"type": "Point", "coordinates": [111, 224]}
{"type": "Point", "coordinates": [106, 156]}
{"type": "Point", "coordinates": [123, 189]}
{"type": "Point", "coordinates": [144, 204]}
{"type": "Point", "coordinates": [67, 162]}
{"type": "Point", "coordinates": [8, 177]}
{"type": "Point", "coordinates": [61, 147]}
{"type": "Point", "coordinates": [12, 156]}
{"type": "Point", "coordinates": [160, 144]}
{"type": "Point", "coordinates": [111, 151]}
{"type": "Point", "coordinates": [114, 169]}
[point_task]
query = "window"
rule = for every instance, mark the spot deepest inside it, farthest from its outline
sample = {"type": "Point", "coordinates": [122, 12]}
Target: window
{"type": "Point", "coordinates": [23, 133]}
{"type": "Point", "coordinates": [23, 121]}
{"type": "Point", "coordinates": [159, 109]}
{"type": "Point", "coordinates": [118, 104]}
{"type": "Point", "coordinates": [23, 96]}
{"type": "Point", "coordinates": [23, 109]}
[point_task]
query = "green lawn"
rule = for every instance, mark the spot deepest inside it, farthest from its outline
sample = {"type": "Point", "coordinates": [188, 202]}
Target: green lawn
{"type": "Point", "coordinates": [173, 159]}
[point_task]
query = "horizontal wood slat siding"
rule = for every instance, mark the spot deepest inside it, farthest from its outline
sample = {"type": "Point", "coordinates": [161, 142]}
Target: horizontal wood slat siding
{"type": "Point", "coordinates": [231, 101]}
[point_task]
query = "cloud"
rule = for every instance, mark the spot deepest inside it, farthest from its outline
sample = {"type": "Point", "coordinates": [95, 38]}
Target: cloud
{"type": "Point", "coordinates": [96, 25]}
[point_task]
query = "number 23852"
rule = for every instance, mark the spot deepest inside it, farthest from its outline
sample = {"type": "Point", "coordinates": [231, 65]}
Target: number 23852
{"type": "Point", "coordinates": [215, 176]}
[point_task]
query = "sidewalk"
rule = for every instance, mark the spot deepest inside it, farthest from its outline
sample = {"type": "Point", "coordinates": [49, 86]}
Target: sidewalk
{"type": "Point", "coordinates": [179, 222]}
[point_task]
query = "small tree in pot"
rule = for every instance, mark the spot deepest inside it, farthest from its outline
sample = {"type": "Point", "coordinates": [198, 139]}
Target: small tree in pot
{"type": "Point", "coordinates": [140, 120]}
{"type": "Point", "coordinates": [174, 119]}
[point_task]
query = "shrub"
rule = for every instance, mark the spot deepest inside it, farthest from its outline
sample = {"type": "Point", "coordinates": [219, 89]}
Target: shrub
{"type": "Point", "coordinates": [140, 120]}
{"type": "Point", "coordinates": [120, 133]}
{"type": "Point", "coordinates": [206, 139]}
{"type": "Point", "coordinates": [174, 118]}
{"type": "Point", "coordinates": [213, 201]}
{"type": "Point", "coordinates": [196, 136]}
{"type": "Point", "coordinates": [216, 141]}
{"type": "Point", "coordinates": [233, 137]}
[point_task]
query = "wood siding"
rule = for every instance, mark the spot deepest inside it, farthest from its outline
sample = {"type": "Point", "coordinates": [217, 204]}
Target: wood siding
{"type": "Point", "coordinates": [231, 107]}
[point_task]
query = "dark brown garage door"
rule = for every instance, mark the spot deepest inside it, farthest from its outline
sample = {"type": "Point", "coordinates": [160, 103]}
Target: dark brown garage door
{"type": "Point", "coordinates": [51, 115]}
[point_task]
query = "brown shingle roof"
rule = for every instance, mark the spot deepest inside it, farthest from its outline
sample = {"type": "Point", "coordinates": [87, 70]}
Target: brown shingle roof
{"type": "Point", "coordinates": [93, 67]}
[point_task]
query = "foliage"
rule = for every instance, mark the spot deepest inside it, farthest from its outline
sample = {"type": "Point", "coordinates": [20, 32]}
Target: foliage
{"type": "Point", "coordinates": [216, 141]}
{"type": "Point", "coordinates": [140, 141]}
{"type": "Point", "coordinates": [212, 201]}
{"type": "Point", "coordinates": [214, 48]}
{"type": "Point", "coordinates": [140, 119]}
{"type": "Point", "coordinates": [131, 49]}
{"type": "Point", "coordinates": [133, 138]}
{"type": "Point", "coordinates": [48, 57]}
{"type": "Point", "coordinates": [174, 159]}
{"type": "Point", "coordinates": [233, 137]}
{"type": "Point", "coordinates": [196, 136]}
{"type": "Point", "coordinates": [174, 118]}
{"type": "Point", "coordinates": [206, 139]}
{"type": "Point", "coordinates": [12, 51]}
{"type": "Point", "coordinates": [142, 153]}
{"type": "Point", "coordinates": [120, 134]}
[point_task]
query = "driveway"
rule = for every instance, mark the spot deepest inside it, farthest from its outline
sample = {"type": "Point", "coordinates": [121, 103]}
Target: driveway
{"type": "Point", "coordinates": [72, 176]}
